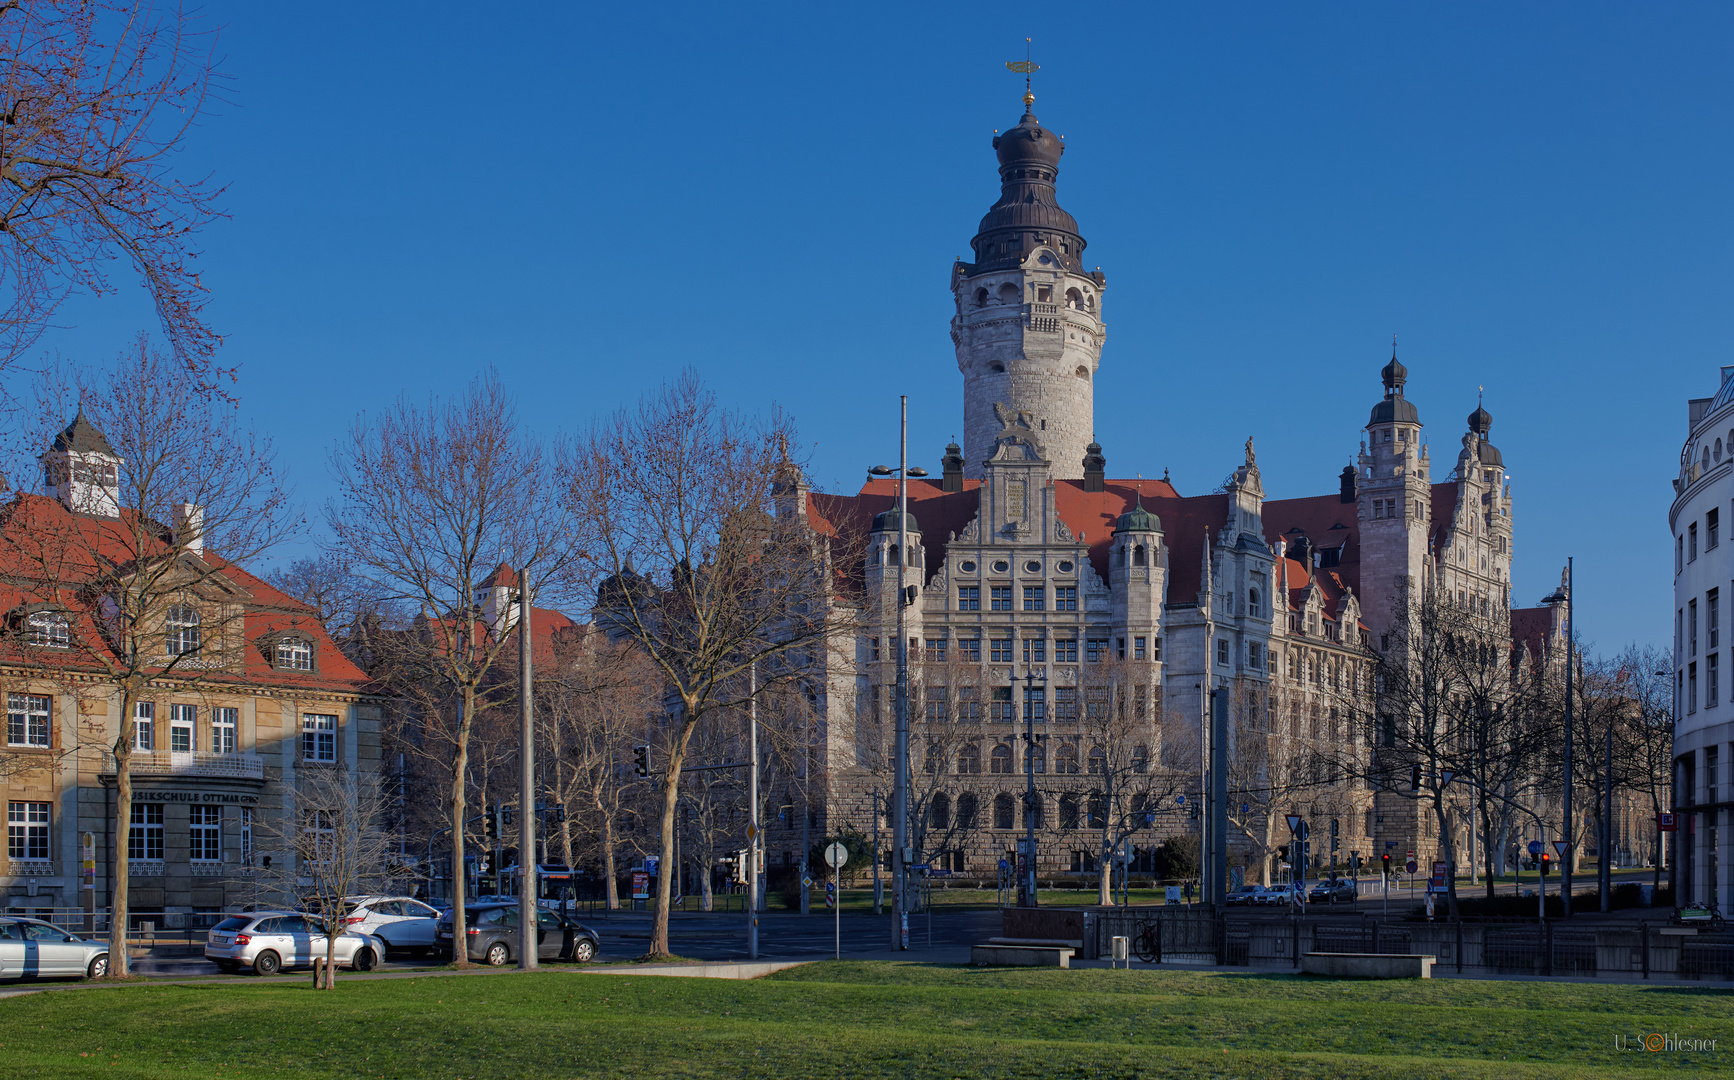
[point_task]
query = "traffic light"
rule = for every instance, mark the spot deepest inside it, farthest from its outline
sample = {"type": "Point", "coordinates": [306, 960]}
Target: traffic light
{"type": "Point", "coordinates": [506, 816]}
{"type": "Point", "coordinates": [1385, 861]}
{"type": "Point", "coordinates": [1415, 778]}
{"type": "Point", "coordinates": [1333, 836]}
{"type": "Point", "coordinates": [1282, 852]}
{"type": "Point", "coordinates": [1546, 863]}
{"type": "Point", "coordinates": [491, 823]}
{"type": "Point", "coordinates": [560, 811]}
{"type": "Point", "coordinates": [641, 754]}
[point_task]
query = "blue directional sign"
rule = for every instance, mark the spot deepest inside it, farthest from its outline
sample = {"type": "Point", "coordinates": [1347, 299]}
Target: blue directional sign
{"type": "Point", "coordinates": [1535, 847]}
{"type": "Point", "coordinates": [1003, 865]}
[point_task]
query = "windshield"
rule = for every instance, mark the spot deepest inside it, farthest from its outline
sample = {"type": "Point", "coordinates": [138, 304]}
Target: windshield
{"type": "Point", "coordinates": [229, 926]}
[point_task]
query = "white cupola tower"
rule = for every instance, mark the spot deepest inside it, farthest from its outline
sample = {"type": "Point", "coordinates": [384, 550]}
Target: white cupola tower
{"type": "Point", "coordinates": [1028, 324]}
{"type": "Point", "coordinates": [82, 470]}
{"type": "Point", "coordinates": [1394, 497]}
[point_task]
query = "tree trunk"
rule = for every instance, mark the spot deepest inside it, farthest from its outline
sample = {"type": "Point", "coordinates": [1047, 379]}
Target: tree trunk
{"type": "Point", "coordinates": [705, 902]}
{"type": "Point", "coordinates": [333, 927]}
{"type": "Point", "coordinates": [1448, 853]}
{"type": "Point", "coordinates": [119, 966]}
{"type": "Point", "coordinates": [460, 770]}
{"type": "Point", "coordinates": [608, 869]}
{"type": "Point", "coordinates": [665, 864]}
{"type": "Point", "coordinates": [1104, 882]}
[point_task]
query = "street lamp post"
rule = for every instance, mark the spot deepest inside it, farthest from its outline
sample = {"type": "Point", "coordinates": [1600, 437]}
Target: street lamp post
{"type": "Point", "coordinates": [1558, 596]}
{"type": "Point", "coordinates": [900, 748]}
{"type": "Point", "coordinates": [1030, 737]}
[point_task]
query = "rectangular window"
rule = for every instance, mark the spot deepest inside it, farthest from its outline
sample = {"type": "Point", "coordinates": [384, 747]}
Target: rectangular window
{"type": "Point", "coordinates": [1096, 699]}
{"type": "Point", "coordinates": [205, 833]}
{"type": "Point", "coordinates": [27, 720]}
{"type": "Point", "coordinates": [50, 630]}
{"type": "Point", "coordinates": [1711, 620]}
{"type": "Point", "coordinates": [1035, 650]}
{"type": "Point", "coordinates": [937, 705]}
{"type": "Point", "coordinates": [1002, 704]}
{"type": "Point", "coordinates": [873, 648]}
{"type": "Point", "coordinates": [936, 650]}
{"type": "Point", "coordinates": [969, 649]}
{"type": "Point", "coordinates": [318, 737]}
{"type": "Point", "coordinates": [144, 726]}
{"type": "Point", "coordinates": [1679, 553]}
{"type": "Point", "coordinates": [183, 720]}
{"type": "Point", "coordinates": [1692, 542]}
{"type": "Point", "coordinates": [969, 703]}
{"type": "Point", "coordinates": [295, 655]}
{"type": "Point", "coordinates": [1066, 650]}
{"type": "Point", "coordinates": [1692, 628]}
{"type": "Point", "coordinates": [1140, 697]}
{"type": "Point", "coordinates": [969, 598]}
{"type": "Point", "coordinates": [1035, 703]}
{"type": "Point", "coordinates": [223, 730]}
{"type": "Point", "coordinates": [1692, 688]}
{"type": "Point", "coordinates": [246, 836]}
{"type": "Point", "coordinates": [1065, 703]}
{"type": "Point", "coordinates": [145, 839]}
{"type": "Point", "coordinates": [1000, 650]}
{"type": "Point", "coordinates": [1035, 597]}
{"type": "Point", "coordinates": [1000, 597]}
{"type": "Point", "coordinates": [1712, 525]}
{"type": "Point", "coordinates": [27, 830]}
{"type": "Point", "coordinates": [1065, 598]}
{"type": "Point", "coordinates": [1120, 647]}
{"type": "Point", "coordinates": [1252, 657]}
{"type": "Point", "coordinates": [1138, 648]}
{"type": "Point", "coordinates": [1095, 650]}
{"type": "Point", "coordinates": [1222, 651]}
{"type": "Point", "coordinates": [1710, 680]}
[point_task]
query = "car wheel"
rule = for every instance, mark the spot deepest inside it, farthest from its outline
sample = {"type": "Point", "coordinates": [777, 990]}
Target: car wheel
{"type": "Point", "coordinates": [98, 967]}
{"type": "Point", "coordinates": [267, 963]}
{"type": "Point", "coordinates": [583, 950]}
{"type": "Point", "coordinates": [365, 960]}
{"type": "Point", "coordinates": [498, 955]}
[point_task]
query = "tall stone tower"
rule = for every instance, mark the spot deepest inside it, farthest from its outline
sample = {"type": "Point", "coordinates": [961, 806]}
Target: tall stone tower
{"type": "Point", "coordinates": [1395, 499]}
{"type": "Point", "coordinates": [1028, 327]}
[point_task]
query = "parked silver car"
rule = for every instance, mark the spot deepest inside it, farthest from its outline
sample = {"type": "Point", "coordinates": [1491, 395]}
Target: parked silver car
{"type": "Point", "coordinates": [402, 922]}
{"type": "Point", "coordinates": [31, 948]}
{"type": "Point", "coordinates": [268, 941]}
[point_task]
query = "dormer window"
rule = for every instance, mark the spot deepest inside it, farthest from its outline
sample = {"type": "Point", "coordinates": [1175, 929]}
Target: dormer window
{"type": "Point", "coordinates": [295, 654]}
{"type": "Point", "coordinates": [49, 630]}
{"type": "Point", "coordinates": [182, 624]}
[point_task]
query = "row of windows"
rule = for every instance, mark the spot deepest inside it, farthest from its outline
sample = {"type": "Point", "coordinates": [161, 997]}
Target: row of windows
{"type": "Point", "coordinates": [28, 824]}
{"type": "Point", "coordinates": [1077, 810]}
{"type": "Point", "coordinates": [1035, 649]}
{"type": "Point", "coordinates": [941, 706]}
{"type": "Point", "coordinates": [1686, 646]}
{"type": "Point", "coordinates": [182, 637]}
{"type": "Point", "coordinates": [1000, 598]}
{"type": "Point", "coordinates": [1000, 760]}
{"type": "Point", "coordinates": [1686, 544]}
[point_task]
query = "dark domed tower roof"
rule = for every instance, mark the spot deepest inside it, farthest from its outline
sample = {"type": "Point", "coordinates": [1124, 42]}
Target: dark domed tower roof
{"type": "Point", "coordinates": [1138, 519]}
{"type": "Point", "coordinates": [1029, 161]}
{"type": "Point", "coordinates": [1394, 409]}
{"type": "Point", "coordinates": [886, 521]}
{"type": "Point", "coordinates": [1481, 422]}
{"type": "Point", "coordinates": [81, 436]}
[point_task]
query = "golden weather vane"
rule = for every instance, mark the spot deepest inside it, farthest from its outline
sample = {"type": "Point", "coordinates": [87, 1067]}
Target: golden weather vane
{"type": "Point", "coordinates": [1026, 67]}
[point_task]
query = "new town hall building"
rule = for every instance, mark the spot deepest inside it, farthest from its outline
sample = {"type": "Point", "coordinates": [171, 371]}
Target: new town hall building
{"type": "Point", "coordinates": [1030, 559]}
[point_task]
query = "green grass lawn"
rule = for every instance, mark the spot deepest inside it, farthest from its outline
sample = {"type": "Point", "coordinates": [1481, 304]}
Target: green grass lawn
{"type": "Point", "coordinates": [864, 1020]}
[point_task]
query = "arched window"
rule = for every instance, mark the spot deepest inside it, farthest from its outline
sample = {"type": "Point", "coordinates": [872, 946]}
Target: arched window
{"type": "Point", "coordinates": [1069, 810]}
{"type": "Point", "coordinates": [1098, 761]}
{"type": "Point", "coordinates": [1002, 811]}
{"type": "Point", "coordinates": [941, 811]}
{"type": "Point", "coordinates": [1098, 811]}
{"type": "Point", "coordinates": [892, 556]}
{"type": "Point", "coordinates": [1066, 763]}
{"type": "Point", "coordinates": [1001, 762]}
{"type": "Point", "coordinates": [1009, 294]}
{"type": "Point", "coordinates": [1252, 602]}
{"type": "Point", "coordinates": [966, 807]}
{"type": "Point", "coordinates": [1706, 457]}
{"type": "Point", "coordinates": [969, 760]}
{"type": "Point", "coordinates": [182, 624]}
{"type": "Point", "coordinates": [981, 298]}
{"type": "Point", "coordinates": [1074, 299]}
{"type": "Point", "coordinates": [50, 629]}
{"type": "Point", "coordinates": [1036, 760]}
{"type": "Point", "coordinates": [1138, 555]}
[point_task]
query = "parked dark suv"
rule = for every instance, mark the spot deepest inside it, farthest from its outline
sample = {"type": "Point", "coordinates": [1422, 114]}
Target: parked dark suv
{"type": "Point", "coordinates": [492, 930]}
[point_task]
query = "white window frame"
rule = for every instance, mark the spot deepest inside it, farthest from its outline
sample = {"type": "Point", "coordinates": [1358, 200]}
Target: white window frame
{"type": "Point", "coordinates": [246, 836]}
{"type": "Point", "coordinates": [28, 827]}
{"type": "Point", "coordinates": [183, 636]}
{"type": "Point", "coordinates": [318, 737]}
{"type": "Point", "coordinates": [144, 726]}
{"type": "Point", "coordinates": [224, 729]}
{"type": "Point", "coordinates": [145, 833]}
{"type": "Point", "coordinates": [49, 630]}
{"type": "Point", "coordinates": [205, 832]}
{"type": "Point", "coordinates": [29, 720]}
{"type": "Point", "coordinates": [294, 654]}
{"type": "Point", "coordinates": [183, 728]}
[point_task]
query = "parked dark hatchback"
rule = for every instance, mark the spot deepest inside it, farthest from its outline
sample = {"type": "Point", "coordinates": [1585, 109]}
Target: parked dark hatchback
{"type": "Point", "coordinates": [492, 930]}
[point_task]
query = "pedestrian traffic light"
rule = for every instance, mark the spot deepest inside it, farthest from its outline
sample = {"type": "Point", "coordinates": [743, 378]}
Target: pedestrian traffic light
{"type": "Point", "coordinates": [641, 754]}
{"type": "Point", "coordinates": [1546, 863]}
{"type": "Point", "coordinates": [506, 816]}
{"type": "Point", "coordinates": [1415, 778]}
{"type": "Point", "coordinates": [1385, 861]}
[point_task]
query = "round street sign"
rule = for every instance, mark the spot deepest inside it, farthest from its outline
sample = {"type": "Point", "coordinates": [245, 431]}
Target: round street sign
{"type": "Point", "coordinates": [1535, 847]}
{"type": "Point", "coordinates": [836, 855]}
{"type": "Point", "coordinates": [1409, 867]}
{"type": "Point", "coordinates": [1003, 865]}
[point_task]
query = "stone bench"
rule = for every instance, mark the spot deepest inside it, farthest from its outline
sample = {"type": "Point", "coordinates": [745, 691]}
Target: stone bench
{"type": "Point", "coordinates": [1020, 956]}
{"type": "Point", "coordinates": [1047, 943]}
{"type": "Point", "coordinates": [1368, 965]}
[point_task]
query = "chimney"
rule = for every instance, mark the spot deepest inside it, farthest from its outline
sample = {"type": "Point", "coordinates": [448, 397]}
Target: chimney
{"type": "Point", "coordinates": [951, 475]}
{"type": "Point", "coordinates": [190, 527]}
{"type": "Point", "coordinates": [1348, 478]}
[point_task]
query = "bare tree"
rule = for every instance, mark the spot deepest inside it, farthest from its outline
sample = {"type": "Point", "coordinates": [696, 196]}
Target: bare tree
{"type": "Point", "coordinates": [1122, 747]}
{"type": "Point", "coordinates": [430, 501]}
{"type": "Point", "coordinates": [1272, 768]}
{"type": "Point", "coordinates": [1644, 742]}
{"type": "Point", "coordinates": [97, 97]}
{"type": "Point", "coordinates": [133, 573]}
{"type": "Point", "coordinates": [678, 501]}
{"type": "Point", "coordinates": [331, 845]}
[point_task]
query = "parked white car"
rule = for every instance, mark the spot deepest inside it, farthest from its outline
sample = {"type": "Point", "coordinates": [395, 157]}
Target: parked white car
{"type": "Point", "coordinates": [402, 922]}
{"type": "Point", "coordinates": [31, 948]}
{"type": "Point", "coordinates": [269, 941]}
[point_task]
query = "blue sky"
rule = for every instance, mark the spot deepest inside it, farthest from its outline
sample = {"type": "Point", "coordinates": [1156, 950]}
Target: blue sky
{"type": "Point", "coordinates": [1533, 198]}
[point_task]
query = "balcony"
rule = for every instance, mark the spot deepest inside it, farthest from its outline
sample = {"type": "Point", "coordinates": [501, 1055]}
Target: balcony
{"type": "Point", "coordinates": [195, 763]}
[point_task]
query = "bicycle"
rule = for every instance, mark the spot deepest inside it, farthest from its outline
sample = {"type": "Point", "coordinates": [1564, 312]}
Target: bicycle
{"type": "Point", "coordinates": [1147, 943]}
{"type": "Point", "coordinates": [1704, 914]}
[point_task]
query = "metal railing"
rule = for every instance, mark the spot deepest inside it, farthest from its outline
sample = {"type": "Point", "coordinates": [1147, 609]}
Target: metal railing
{"type": "Point", "coordinates": [192, 763]}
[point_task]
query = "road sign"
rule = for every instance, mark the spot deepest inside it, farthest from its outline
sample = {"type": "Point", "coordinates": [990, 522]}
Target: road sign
{"type": "Point", "coordinates": [1004, 866]}
{"type": "Point", "coordinates": [752, 832]}
{"type": "Point", "coordinates": [1446, 777]}
{"type": "Point", "coordinates": [1294, 821]}
{"type": "Point", "coordinates": [1535, 847]}
{"type": "Point", "coordinates": [806, 882]}
{"type": "Point", "coordinates": [830, 894]}
{"type": "Point", "coordinates": [1666, 823]}
{"type": "Point", "coordinates": [836, 855]}
{"type": "Point", "coordinates": [1560, 846]}
{"type": "Point", "coordinates": [1389, 844]}
{"type": "Point", "coordinates": [1409, 867]}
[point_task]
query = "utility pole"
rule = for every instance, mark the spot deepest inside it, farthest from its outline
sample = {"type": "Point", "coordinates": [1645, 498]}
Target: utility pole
{"type": "Point", "coordinates": [1218, 866]}
{"type": "Point", "coordinates": [1570, 647]}
{"type": "Point", "coordinates": [878, 890]}
{"type": "Point", "coordinates": [1030, 778]}
{"type": "Point", "coordinates": [527, 907]}
{"type": "Point", "coordinates": [753, 811]}
{"type": "Point", "coordinates": [1607, 863]}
